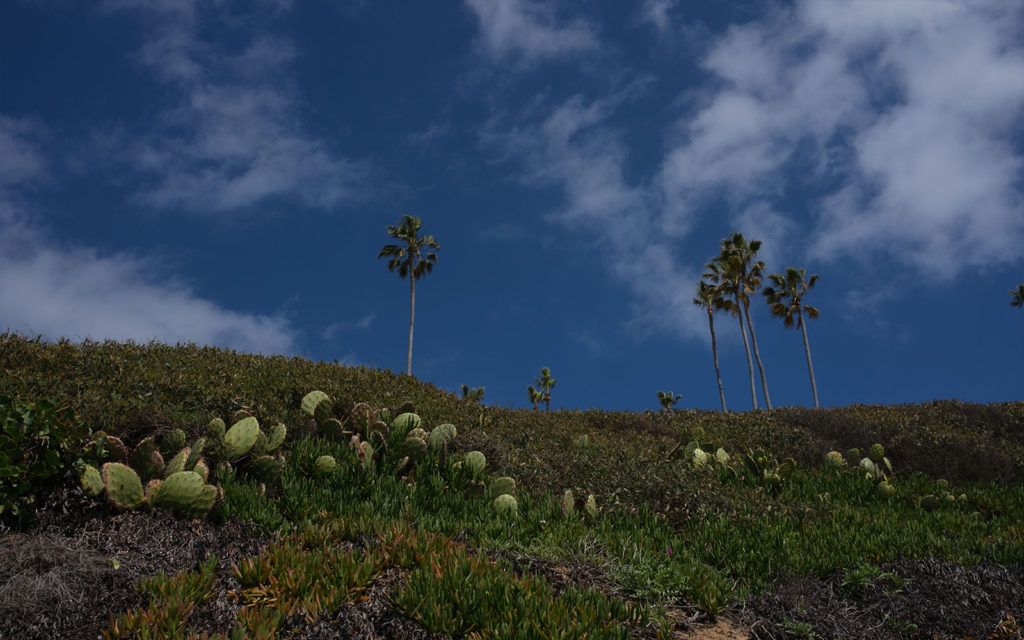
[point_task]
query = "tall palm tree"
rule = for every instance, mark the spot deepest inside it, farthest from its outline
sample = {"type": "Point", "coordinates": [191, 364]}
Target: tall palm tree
{"type": "Point", "coordinates": [546, 384]}
{"type": "Point", "coordinates": [744, 273]}
{"type": "Point", "coordinates": [786, 302]}
{"type": "Point", "coordinates": [412, 259]}
{"type": "Point", "coordinates": [724, 286]}
{"type": "Point", "coordinates": [707, 298]}
{"type": "Point", "coordinates": [535, 396]}
{"type": "Point", "coordinates": [1018, 296]}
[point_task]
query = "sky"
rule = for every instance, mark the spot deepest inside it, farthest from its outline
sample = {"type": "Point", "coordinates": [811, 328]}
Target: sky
{"type": "Point", "coordinates": [223, 173]}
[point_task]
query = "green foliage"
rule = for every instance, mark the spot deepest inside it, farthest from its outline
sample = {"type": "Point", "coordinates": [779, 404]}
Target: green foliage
{"type": "Point", "coordinates": [37, 440]}
{"type": "Point", "coordinates": [123, 485]}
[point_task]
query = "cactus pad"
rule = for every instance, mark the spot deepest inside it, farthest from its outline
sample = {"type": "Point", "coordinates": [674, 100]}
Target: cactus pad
{"type": "Point", "coordinates": [240, 438]}
{"type": "Point", "coordinates": [414, 447]}
{"type": "Point", "coordinates": [591, 507]}
{"type": "Point", "coordinates": [179, 492]}
{"type": "Point", "coordinates": [216, 429]}
{"type": "Point", "coordinates": [115, 449]}
{"type": "Point", "coordinates": [441, 435]}
{"type": "Point", "coordinates": [332, 429]}
{"type": "Point", "coordinates": [506, 506]}
{"type": "Point", "coordinates": [885, 490]}
{"type": "Point", "coordinates": [876, 453]}
{"type": "Point", "coordinates": [276, 438]}
{"type": "Point", "coordinates": [475, 462]}
{"type": "Point", "coordinates": [172, 443]}
{"type": "Point", "coordinates": [834, 460]}
{"type": "Point", "coordinates": [568, 504]}
{"type": "Point", "coordinates": [361, 418]}
{"type": "Point", "coordinates": [853, 456]}
{"type": "Point", "coordinates": [266, 469]}
{"type": "Point", "coordinates": [503, 485]}
{"type": "Point", "coordinates": [316, 404]}
{"type": "Point", "coordinates": [325, 465]}
{"type": "Point", "coordinates": [405, 423]}
{"type": "Point", "coordinates": [177, 463]}
{"type": "Point", "coordinates": [92, 482]}
{"type": "Point", "coordinates": [124, 488]}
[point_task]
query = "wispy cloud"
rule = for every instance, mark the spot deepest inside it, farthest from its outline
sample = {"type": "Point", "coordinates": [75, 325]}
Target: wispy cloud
{"type": "Point", "coordinates": [904, 110]}
{"type": "Point", "coordinates": [232, 136]}
{"type": "Point", "coordinates": [331, 331]}
{"type": "Point", "coordinates": [530, 30]}
{"type": "Point", "coordinates": [77, 293]}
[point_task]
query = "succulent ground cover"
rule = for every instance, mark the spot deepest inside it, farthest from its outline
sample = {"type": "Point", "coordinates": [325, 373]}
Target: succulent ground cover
{"type": "Point", "coordinates": [377, 506]}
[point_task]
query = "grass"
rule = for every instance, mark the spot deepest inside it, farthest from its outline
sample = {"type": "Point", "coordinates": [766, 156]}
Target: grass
{"type": "Point", "coordinates": [667, 530]}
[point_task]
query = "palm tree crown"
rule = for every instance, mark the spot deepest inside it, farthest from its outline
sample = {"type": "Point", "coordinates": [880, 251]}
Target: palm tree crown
{"type": "Point", "coordinates": [413, 257]}
{"type": "Point", "coordinates": [1018, 296]}
{"type": "Point", "coordinates": [546, 384]}
{"type": "Point", "coordinates": [786, 302]}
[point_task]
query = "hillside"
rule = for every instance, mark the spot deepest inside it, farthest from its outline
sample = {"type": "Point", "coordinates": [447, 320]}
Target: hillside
{"type": "Point", "coordinates": [696, 543]}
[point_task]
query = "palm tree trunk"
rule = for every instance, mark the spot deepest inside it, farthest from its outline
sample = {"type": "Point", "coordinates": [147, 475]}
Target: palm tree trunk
{"type": "Point", "coordinates": [714, 351]}
{"type": "Point", "coordinates": [807, 350]}
{"type": "Point", "coordinates": [750, 362]}
{"type": "Point", "coordinates": [412, 318]}
{"type": "Point", "coordinates": [757, 354]}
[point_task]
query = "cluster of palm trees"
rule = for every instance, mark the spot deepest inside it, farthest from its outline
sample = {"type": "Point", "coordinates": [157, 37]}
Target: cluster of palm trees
{"type": "Point", "coordinates": [730, 280]}
{"type": "Point", "coordinates": [542, 394]}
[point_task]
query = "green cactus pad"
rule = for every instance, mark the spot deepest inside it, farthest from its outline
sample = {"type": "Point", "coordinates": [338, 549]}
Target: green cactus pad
{"type": "Point", "coordinates": [361, 417]}
{"type": "Point", "coordinates": [568, 504]}
{"type": "Point", "coordinates": [930, 503]}
{"type": "Point", "coordinates": [405, 423]}
{"type": "Point", "coordinates": [276, 438]}
{"type": "Point", "coordinates": [207, 498]}
{"type": "Point", "coordinates": [365, 453]}
{"type": "Point", "coordinates": [503, 485]}
{"type": "Point", "coordinates": [876, 453]}
{"type": "Point", "coordinates": [475, 462]}
{"type": "Point", "coordinates": [885, 490]}
{"type": "Point", "coordinates": [786, 468]}
{"type": "Point", "coordinates": [216, 429]}
{"type": "Point", "coordinates": [414, 447]}
{"type": "Point", "coordinates": [177, 463]}
{"type": "Point", "coordinates": [266, 469]}
{"type": "Point", "coordinates": [179, 491]}
{"type": "Point", "coordinates": [506, 506]}
{"type": "Point", "coordinates": [316, 404]}
{"type": "Point", "coordinates": [204, 471]}
{"type": "Point", "coordinates": [852, 456]}
{"type": "Point", "coordinates": [332, 429]}
{"type": "Point", "coordinates": [124, 488]}
{"type": "Point", "coordinates": [115, 449]}
{"type": "Point", "coordinates": [195, 454]}
{"type": "Point", "coordinates": [441, 435]}
{"type": "Point", "coordinates": [325, 465]}
{"type": "Point", "coordinates": [172, 442]}
{"type": "Point", "coordinates": [240, 438]}
{"type": "Point", "coordinates": [699, 457]}
{"type": "Point", "coordinates": [591, 507]}
{"type": "Point", "coordinates": [151, 490]}
{"type": "Point", "coordinates": [722, 456]}
{"type": "Point", "coordinates": [417, 433]}
{"type": "Point", "coordinates": [834, 460]}
{"type": "Point", "coordinates": [260, 446]}
{"type": "Point", "coordinates": [92, 481]}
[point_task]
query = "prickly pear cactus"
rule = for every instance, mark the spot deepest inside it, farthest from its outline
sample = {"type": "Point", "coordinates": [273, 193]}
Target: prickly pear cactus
{"type": "Point", "coordinates": [259, 447]}
{"type": "Point", "coordinates": [834, 460]}
{"type": "Point", "coordinates": [172, 442]}
{"type": "Point", "coordinates": [568, 504]}
{"type": "Point", "coordinates": [506, 506]}
{"type": "Point", "coordinates": [124, 488]}
{"type": "Point", "coordinates": [215, 430]}
{"type": "Point", "coordinates": [92, 481]}
{"type": "Point", "coordinates": [876, 453]}
{"type": "Point", "coordinates": [476, 462]}
{"type": "Point", "coordinates": [853, 456]}
{"type": "Point", "coordinates": [361, 418]}
{"type": "Point", "coordinates": [441, 435]}
{"type": "Point", "coordinates": [503, 485]}
{"type": "Point", "coordinates": [178, 492]}
{"type": "Point", "coordinates": [786, 468]}
{"type": "Point", "coordinates": [114, 449]}
{"type": "Point", "coordinates": [699, 457]}
{"type": "Point", "coordinates": [722, 457]}
{"type": "Point", "coordinates": [325, 465]}
{"type": "Point", "coordinates": [317, 405]}
{"type": "Point", "coordinates": [146, 460]}
{"type": "Point", "coordinates": [207, 498]}
{"type": "Point", "coordinates": [591, 507]}
{"type": "Point", "coordinates": [195, 454]}
{"type": "Point", "coordinates": [276, 437]}
{"type": "Point", "coordinates": [366, 457]}
{"type": "Point", "coordinates": [177, 463]}
{"type": "Point", "coordinates": [416, 433]}
{"type": "Point", "coordinates": [240, 438]}
{"type": "Point", "coordinates": [266, 469]}
{"type": "Point", "coordinates": [404, 423]}
{"type": "Point", "coordinates": [332, 429]}
{"type": "Point", "coordinates": [885, 490]}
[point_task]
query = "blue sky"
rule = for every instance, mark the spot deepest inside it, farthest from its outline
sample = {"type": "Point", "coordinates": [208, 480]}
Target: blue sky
{"type": "Point", "coordinates": [222, 172]}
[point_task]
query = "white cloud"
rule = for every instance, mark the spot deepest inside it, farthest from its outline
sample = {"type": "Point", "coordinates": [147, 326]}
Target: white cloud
{"type": "Point", "coordinates": [656, 12]}
{"type": "Point", "coordinates": [531, 30]}
{"type": "Point", "coordinates": [905, 110]}
{"type": "Point", "coordinates": [331, 330]}
{"type": "Point", "coordinates": [77, 293]}
{"type": "Point", "coordinates": [232, 137]}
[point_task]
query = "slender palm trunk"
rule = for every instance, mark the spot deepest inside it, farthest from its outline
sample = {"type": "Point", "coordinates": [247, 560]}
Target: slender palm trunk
{"type": "Point", "coordinates": [714, 352]}
{"type": "Point", "coordinates": [757, 354]}
{"type": "Point", "coordinates": [750, 362]}
{"type": "Point", "coordinates": [807, 350]}
{"type": "Point", "coordinates": [412, 318]}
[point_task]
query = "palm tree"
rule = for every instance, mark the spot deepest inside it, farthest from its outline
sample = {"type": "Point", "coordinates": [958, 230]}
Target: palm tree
{"type": "Point", "coordinates": [744, 274]}
{"type": "Point", "coordinates": [546, 384]}
{"type": "Point", "coordinates": [410, 259]}
{"type": "Point", "coordinates": [668, 399]}
{"type": "Point", "coordinates": [1018, 296]}
{"type": "Point", "coordinates": [708, 298]}
{"type": "Point", "coordinates": [535, 396]}
{"type": "Point", "coordinates": [786, 302]}
{"type": "Point", "coordinates": [724, 286]}
{"type": "Point", "coordinates": [473, 395]}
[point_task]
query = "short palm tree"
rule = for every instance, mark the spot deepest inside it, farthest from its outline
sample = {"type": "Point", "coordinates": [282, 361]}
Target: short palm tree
{"type": "Point", "coordinates": [1018, 296]}
{"type": "Point", "coordinates": [709, 298]}
{"type": "Point", "coordinates": [471, 394]}
{"type": "Point", "coordinates": [535, 396]}
{"type": "Point", "coordinates": [743, 277]}
{"type": "Point", "coordinates": [413, 259]}
{"type": "Point", "coordinates": [786, 302]}
{"type": "Point", "coordinates": [668, 399]}
{"type": "Point", "coordinates": [546, 384]}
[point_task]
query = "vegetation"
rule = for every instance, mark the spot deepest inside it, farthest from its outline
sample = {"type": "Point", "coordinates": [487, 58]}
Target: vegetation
{"type": "Point", "coordinates": [545, 384]}
{"type": "Point", "coordinates": [1017, 296]}
{"type": "Point", "coordinates": [385, 475]}
{"type": "Point", "coordinates": [412, 259]}
{"type": "Point", "coordinates": [667, 399]}
{"type": "Point", "coordinates": [787, 303]}
{"type": "Point", "coordinates": [709, 298]}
